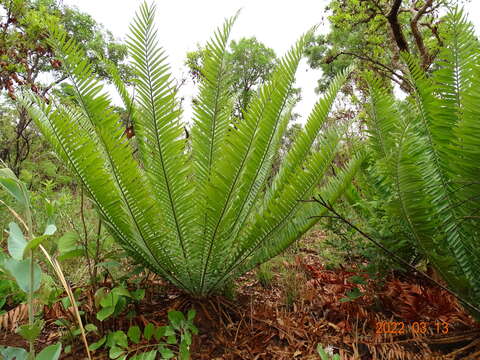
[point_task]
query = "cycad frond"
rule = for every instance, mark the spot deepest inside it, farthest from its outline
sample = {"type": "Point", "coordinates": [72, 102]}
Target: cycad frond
{"type": "Point", "coordinates": [431, 161]}
{"type": "Point", "coordinates": [247, 160]}
{"type": "Point", "coordinates": [195, 216]}
{"type": "Point", "coordinates": [306, 217]}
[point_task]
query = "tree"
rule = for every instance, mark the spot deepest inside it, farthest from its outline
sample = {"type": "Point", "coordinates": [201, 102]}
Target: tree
{"type": "Point", "coordinates": [373, 33]}
{"type": "Point", "coordinates": [28, 60]}
{"type": "Point", "coordinates": [203, 217]}
{"type": "Point", "coordinates": [250, 63]}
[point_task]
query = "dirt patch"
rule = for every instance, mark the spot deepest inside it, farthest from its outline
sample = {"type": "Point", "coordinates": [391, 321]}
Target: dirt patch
{"type": "Point", "coordinates": [258, 324]}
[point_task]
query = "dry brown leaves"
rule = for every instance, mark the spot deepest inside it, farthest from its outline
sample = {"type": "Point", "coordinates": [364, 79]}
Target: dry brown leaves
{"type": "Point", "coordinates": [13, 318]}
{"type": "Point", "coordinates": [258, 325]}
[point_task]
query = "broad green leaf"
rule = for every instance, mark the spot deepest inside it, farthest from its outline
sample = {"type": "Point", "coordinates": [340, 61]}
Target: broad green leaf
{"type": "Point", "coordinates": [13, 353]}
{"type": "Point", "coordinates": [20, 270]}
{"type": "Point", "coordinates": [115, 352]}
{"type": "Point", "coordinates": [193, 329]}
{"type": "Point", "coordinates": [148, 331]}
{"type": "Point", "coordinates": [171, 339]}
{"type": "Point", "coordinates": [67, 242]}
{"type": "Point", "coordinates": [98, 344]}
{"type": "Point", "coordinates": [99, 295]}
{"type": "Point", "coordinates": [357, 279]}
{"type": "Point", "coordinates": [109, 299]}
{"type": "Point", "coordinates": [354, 294]}
{"type": "Point", "coordinates": [134, 334]}
{"type": "Point", "coordinates": [166, 352]}
{"type": "Point", "coordinates": [91, 327]}
{"type": "Point", "coordinates": [72, 254]}
{"type": "Point", "coordinates": [169, 331]}
{"type": "Point", "coordinates": [186, 338]}
{"type": "Point", "coordinates": [176, 319]}
{"type": "Point", "coordinates": [191, 314]}
{"type": "Point", "coordinates": [51, 352]}
{"type": "Point", "coordinates": [34, 243]}
{"type": "Point", "coordinates": [16, 241]}
{"type": "Point", "coordinates": [184, 351]}
{"type": "Point", "coordinates": [50, 229]}
{"type": "Point", "coordinates": [14, 186]}
{"type": "Point", "coordinates": [30, 333]}
{"type": "Point", "coordinates": [138, 294]}
{"type": "Point", "coordinates": [120, 338]}
{"type": "Point", "coordinates": [105, 312]}
{"type": "Point", "coordinates": [121, 292]}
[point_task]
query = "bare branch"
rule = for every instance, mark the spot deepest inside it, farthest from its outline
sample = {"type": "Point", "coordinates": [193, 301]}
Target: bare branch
{"type": "Point", "coordinates": [392, 18]}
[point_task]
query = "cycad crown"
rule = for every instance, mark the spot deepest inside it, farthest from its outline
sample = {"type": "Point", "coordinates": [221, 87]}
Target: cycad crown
{"type": "Point", "coordinates": [428, 152]}
{"type": "Point", "coordinates": [197, 216]}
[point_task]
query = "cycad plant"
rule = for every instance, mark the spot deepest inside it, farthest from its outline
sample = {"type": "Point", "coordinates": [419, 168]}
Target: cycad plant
{"type": "Point", "coordinates": [198, 215]}
{"type": "Point", "coordinates": [427, 153]}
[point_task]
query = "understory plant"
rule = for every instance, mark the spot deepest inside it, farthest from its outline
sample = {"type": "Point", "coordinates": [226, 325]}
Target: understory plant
{"type": "Point", "coordinates": [22, 266]}
{"type": "Point", "coordinates": [426, 153]}
{"type": "Point", "coordinates": [197, 211]}
{"type": "Point", "coordinates": [154, 341]}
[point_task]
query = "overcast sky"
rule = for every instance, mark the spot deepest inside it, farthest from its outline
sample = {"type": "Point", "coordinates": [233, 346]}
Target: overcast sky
{"type": "Point", "coordinates": [184, 23]}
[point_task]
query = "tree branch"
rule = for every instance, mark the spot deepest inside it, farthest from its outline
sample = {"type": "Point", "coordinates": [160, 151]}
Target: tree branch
{"type": "Point", "coordinates": [392, 18]}
{"type": "Point", "coordinates": [56, 82]}
{"type": "Point", "coordinates": [424, 54]}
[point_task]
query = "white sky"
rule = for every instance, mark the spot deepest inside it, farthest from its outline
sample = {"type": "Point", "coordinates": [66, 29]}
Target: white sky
{"type": "Point", "coordinates": [184, 23]}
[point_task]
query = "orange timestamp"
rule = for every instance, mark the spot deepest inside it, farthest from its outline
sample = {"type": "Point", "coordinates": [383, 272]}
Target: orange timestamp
{"type": "Point", "coordinates": [415, 327]}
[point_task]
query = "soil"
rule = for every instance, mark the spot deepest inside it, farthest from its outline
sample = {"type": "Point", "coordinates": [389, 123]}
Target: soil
{"type": "Point", "coordinates": [397, 317]}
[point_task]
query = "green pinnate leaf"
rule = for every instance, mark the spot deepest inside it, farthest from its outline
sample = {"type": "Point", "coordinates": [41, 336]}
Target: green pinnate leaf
{"type": "Point", "coordinates": [148, 331]}
{"type": "Point", "coordinates": [134, 334]}
{"type": "Point", "coordinates": [176, 319]}
{"type": "Point", "coordinates": [115, 352]}
{"type": "Point", "coordinates": [166, 352]}
{"type": "Point", "coordinates": [97, 345]}
{"type": "Point", "coordinates": [120, 338]}
{"type": "Point", "coordinates": [191, 314]}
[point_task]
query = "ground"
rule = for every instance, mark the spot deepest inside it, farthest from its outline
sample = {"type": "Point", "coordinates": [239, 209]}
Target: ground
{"type": "Point", "coordinates": [285, 316]}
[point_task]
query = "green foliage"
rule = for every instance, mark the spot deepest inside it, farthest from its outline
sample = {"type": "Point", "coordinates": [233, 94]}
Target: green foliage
{"type": "Point", "coordinates": [426, 155]}
{"type": "Point", "coordinates": [324, 355]}
{"type": "Point", "coordinates": [10, 293]}
{"type": "Point", "coordinates": [51, 352]}
{"type": "Point", "coordinates": [265, 274]}
{"type": "Point", "coordinates": [21, 264]}
{"type": "Point", "coordinates": [361, 32]}
{"type": "Point", "coordinates": [28, 61]}
{"type": "Point", "coordinates": [199, 222]}
{"type": "Point", "coordinates": [113, 302]}
{"type": "Point", "coordinates": [153, 340]}
{"type": "Point", "coordinates": [250, 64]}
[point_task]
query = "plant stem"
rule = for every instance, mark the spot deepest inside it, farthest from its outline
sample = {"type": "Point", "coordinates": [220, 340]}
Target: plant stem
{"type": "Point", "coordinates": [85, 234]}
{"type": "Point", "coordinates": [31, 314]}
{"type": "Point", "coordinates": [30, 305]}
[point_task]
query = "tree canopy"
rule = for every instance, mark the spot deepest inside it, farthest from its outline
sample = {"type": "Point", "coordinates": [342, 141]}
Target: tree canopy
{"type": "Point", "coordinates": [27, 59]}
{"type": "Point", "coordinates": [374, 33]}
